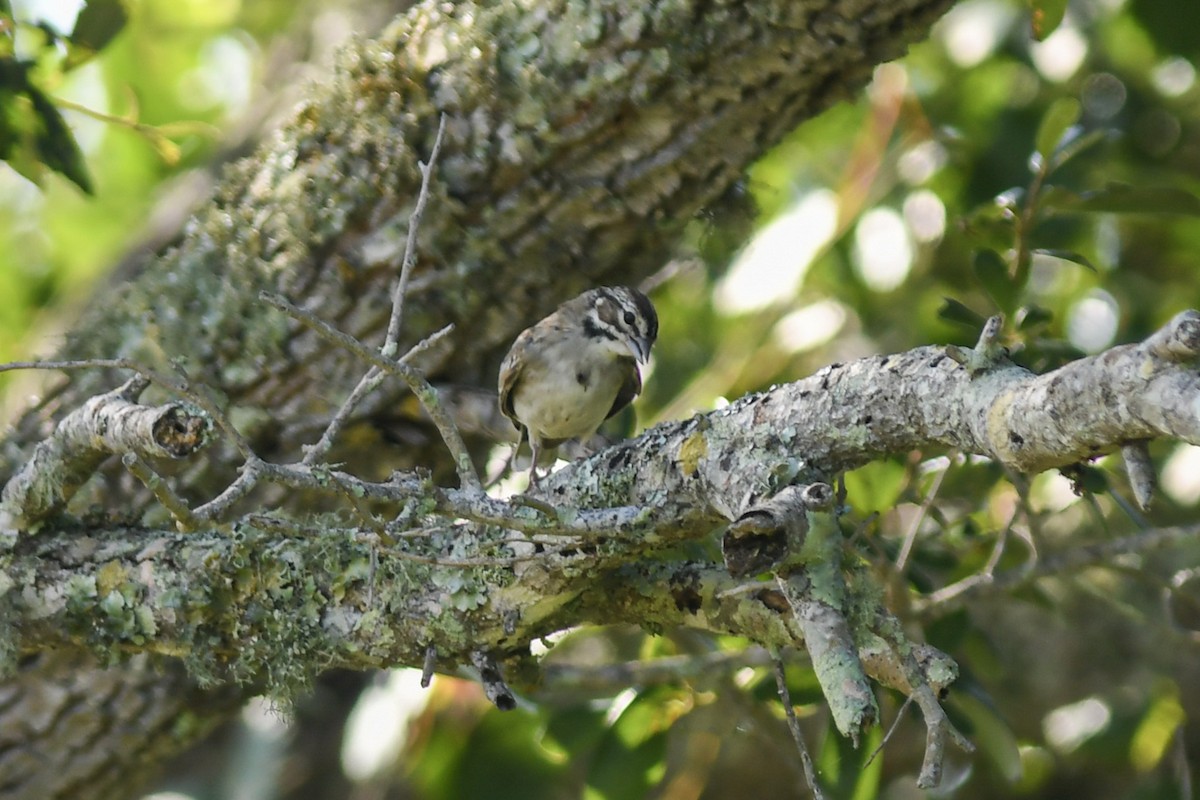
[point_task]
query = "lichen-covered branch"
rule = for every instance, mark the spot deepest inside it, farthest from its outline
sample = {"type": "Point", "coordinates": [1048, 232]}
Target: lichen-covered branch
{"type": "Point", "coordinates": [269, 607]}
{"type": "Point", "coordinates": [671, 484]}
{"type": "Point", "coordinates": [111, 423]}
{"type": "Point", "coordinates": [849, 414]}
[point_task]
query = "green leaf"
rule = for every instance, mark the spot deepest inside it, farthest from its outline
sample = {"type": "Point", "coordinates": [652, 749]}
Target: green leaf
{"type": "Point", "coordinates": [1058, 119]}
{"type": "Point", "coordinates": [954, 311]}
{"type": "Point", "coordinates": [1074, 145]}
{"type": "Point", "coordinates": [1067, 255]}
{"type": "Point", "coordinates": [97, 24]}
{"type": "Point", "coordinates": [1121, 198]}
{"type": "Point", "coordinates": [629, 759]}
{"type": "Point", "coordinates": [1031, 317]}
{"type": "Point", "coordinates": [992, 272]}
{"type": "Point", "coordinates": [55, 143]}
{"type": "Point", "coordinates": [1046, 16]}
{"type": "Point", "coordinates": [33, 134]}
{"type": "Point", "coordinates": [990, 732]}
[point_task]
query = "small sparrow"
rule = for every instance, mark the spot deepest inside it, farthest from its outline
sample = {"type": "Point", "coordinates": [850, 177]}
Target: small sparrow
{"type": "Point", "coordinates": [576, 368]}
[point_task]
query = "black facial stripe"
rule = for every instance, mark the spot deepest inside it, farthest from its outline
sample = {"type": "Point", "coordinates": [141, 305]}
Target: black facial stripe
{"type": "Point", "coordinates": [594, 331]}
{"type": "Point", "coordinates": [646, 309]}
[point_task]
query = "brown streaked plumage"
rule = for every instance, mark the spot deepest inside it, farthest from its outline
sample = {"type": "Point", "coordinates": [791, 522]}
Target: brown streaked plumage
{"type": "Point", "coordinates": [577, 367]}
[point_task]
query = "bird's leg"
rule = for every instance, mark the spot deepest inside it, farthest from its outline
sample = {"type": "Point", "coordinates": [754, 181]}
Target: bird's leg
{"type": "Point", "coordinates": [535, 446]}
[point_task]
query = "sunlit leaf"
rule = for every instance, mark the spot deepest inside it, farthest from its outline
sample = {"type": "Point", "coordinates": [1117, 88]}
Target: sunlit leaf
{"type": "Point", "coordinates": [1121, 198]}
{"type": "Point", "coordinates": [629, 759]}
{"type": "Point", "coordinates": [167, 150]}
{"type": "Point", "coordinates": [1155, 733]}
{"type": "Point", "coordinates": [992, 272]}
{"type": "Point", "coordinates": [1067, 255]}
{"type": "Point", "coordinates": [1046, 16]}
{"type": "Point", "coordinates": [954, 311]}
{"type": "Point", "coordinates": [1055, 123]}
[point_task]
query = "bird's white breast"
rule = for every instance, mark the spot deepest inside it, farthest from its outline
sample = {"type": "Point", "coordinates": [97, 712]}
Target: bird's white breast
{"type": "Point", "coordinates": [573, 392]}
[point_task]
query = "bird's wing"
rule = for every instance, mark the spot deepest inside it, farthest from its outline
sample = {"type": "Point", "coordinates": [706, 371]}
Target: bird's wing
{"type": "Point", "coordinates": [630, 388]}
{"type": "Point", "coordinates": [510, 375]}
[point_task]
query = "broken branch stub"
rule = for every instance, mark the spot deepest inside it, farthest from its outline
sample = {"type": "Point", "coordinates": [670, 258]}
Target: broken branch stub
{"type": "Point", "coordinates": [105, 425]}
{"type": "Point", "coordinates": [765, 534]}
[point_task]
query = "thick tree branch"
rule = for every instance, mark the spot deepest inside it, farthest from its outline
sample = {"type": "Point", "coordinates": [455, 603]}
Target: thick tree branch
{"type": "Point", "coordinates": [849, 414]}
{"type": "Point", "coordinates": [124, 592]}
{"type": "Point", "coordinates": [583, 138]}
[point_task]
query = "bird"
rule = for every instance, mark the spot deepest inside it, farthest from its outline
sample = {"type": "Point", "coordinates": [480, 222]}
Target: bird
{"type": "Point", "coordinates": [577, 367]}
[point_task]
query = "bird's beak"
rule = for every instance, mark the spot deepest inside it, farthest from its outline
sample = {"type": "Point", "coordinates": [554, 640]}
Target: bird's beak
{"type": "Point", "coordinates": [640, 348]}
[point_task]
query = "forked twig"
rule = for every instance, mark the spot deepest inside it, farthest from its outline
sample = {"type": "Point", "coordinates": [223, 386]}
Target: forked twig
{"type": "Point", "coordinates": [420, 387]}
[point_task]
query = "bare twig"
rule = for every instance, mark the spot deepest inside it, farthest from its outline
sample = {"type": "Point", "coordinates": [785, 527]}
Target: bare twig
{"type": "Point", "coordinates": [105, 425]}
{"type": "Point", "coordinates": [984, 576]}
{"type": "Point", "coordinates": [245, 483]}
{"type": "Point", "coordinates": [891, 730]}
{"type": "Point", "coordinates": [370, 382]}
{"type": "Point", "coordinates": [937, 724]}
{"type": "Point", "coordinates": [785, 697]}
{"type": "Point", "coordinates": [165, 495]}
{"type": "Point", "coordinates": [410, 250]}
{"type": "Point", "coordinates": [1140, 469]}
{"type": "Point", "coordinates": [1183, 767]}
{"type": "Point", "coordinates": [428, 396]}
{"type": "Point", "coordinates": [620, 522]}
{"type": "Point", "coordinates": [911, 537]}
{"type": "Point", "coordinates": [391, 341]}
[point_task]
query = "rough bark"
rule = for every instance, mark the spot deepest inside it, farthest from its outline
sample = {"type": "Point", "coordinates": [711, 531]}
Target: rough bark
{"type": "Point", "coordinates": [263, 609]}
{"type": "Point", "coordinates": [264, 594]}
{"type": "Point", "coordinates": [582, 138]}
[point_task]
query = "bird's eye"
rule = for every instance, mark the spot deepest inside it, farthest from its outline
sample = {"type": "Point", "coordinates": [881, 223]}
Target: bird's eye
{"type": "Point", "coordinates": [629, 318]}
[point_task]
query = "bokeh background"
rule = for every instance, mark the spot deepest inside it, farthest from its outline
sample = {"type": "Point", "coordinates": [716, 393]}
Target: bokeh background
{"type": "Point", "coordinates": [1050, 173]}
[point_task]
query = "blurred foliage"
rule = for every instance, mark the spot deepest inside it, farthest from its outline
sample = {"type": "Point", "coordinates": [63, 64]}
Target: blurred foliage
{"type": "Point", "coordinates": [1039, 159]}
{"type": "Point", "coordinates": [124, 100]}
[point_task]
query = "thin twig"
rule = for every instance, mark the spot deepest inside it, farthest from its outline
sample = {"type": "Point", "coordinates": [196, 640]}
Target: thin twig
{"type": "Point", "coordinates": [1183, 767]}
{"type": "Point", "coordinates": [911, 538]}
{"type": "Point", "coordinates": [887, 736]}
{"type": "Point", "coordinates": [245, 483]}
{"type": "Point", "coordinates": [785, 697]}
{"type": "Point", "coordinates": [173, 503]}
{"type": "Point", "coordinates": [177, 387]}
{"type": "Point", "coordinates": [420, 387]}
{"type": "Point", "coordinates": [394, 324]}
{"type": "Point", "coordinates": [610, 523]}
{"type": "Point", "coordinates": [370, 382]}
{"type": "Point", "coordinates": [985, 575]}
{"type": "Point", "coordinates": [1069, 561]}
